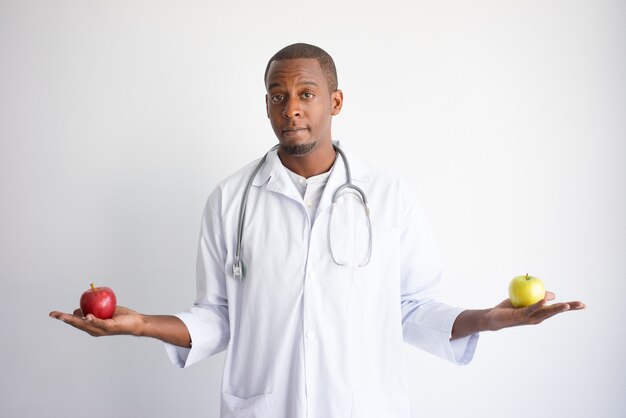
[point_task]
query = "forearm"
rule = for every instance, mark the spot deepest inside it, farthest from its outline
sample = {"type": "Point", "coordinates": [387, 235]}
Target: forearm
{"type": "Point", "coordinates": [471, 321]}
{"type": "Point", "coordinates": [167, 328]}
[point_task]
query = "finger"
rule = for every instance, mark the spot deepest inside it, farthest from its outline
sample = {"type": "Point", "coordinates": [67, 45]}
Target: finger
{"type": "Point", "coordinates": [576, 305]}
{"type": "Point", "coordinates": [549, 296]}
{"type": "Point", "coordinates": [548, 312]}
{"type": "Point", "coordinates": [55, 314]}
{"type": "Point", "coordinates": [62, 316]}
{"type": "Point", "coordinates": [95, 321]}
{"type": "Point", "coordinates": [91, 325]}
{"type": "Point", "coordinates": [79, 312]}
{"type": "Point", "coordinates": [103, 326]}
{"type": "Point", "coordinates": [73, 320]}
{"type": "Point", "coordinates": [537, 312]}
{"type": "Point", "coordinates": [531, 309]}
{"type": "Point", "coordinates": [565, 306]}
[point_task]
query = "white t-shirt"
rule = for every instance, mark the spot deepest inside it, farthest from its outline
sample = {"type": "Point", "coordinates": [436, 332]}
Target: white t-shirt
{"type": "Point", "coordinates": [310, 189]}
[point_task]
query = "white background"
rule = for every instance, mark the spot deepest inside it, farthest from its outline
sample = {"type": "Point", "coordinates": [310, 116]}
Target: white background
{"type": "Point", "coordinates": [117, 118]}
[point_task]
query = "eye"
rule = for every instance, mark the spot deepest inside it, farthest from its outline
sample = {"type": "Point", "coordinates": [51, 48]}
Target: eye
{"type": "Point", "coordinates": [277, 98]}
{"type": "Point", "coordinates": [308, 95]}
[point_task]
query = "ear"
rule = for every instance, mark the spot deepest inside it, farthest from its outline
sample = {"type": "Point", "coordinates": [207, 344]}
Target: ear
{"type": "Point", "coordinates": [336, 101]}
{"type": "Point", "coordinates": [267, 107]}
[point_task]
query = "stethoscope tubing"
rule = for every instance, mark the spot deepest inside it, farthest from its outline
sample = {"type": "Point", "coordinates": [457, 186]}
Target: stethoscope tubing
{"type": "Point", "coordinates": [238, 267]}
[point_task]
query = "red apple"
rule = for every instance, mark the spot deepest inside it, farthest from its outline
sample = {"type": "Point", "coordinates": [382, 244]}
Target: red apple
{"type": "Point", "coordinates": [98, 301]}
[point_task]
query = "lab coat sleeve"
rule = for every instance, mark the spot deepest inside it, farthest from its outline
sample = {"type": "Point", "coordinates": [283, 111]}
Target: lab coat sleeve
{"type": "Point", "coordinates": [207, 321]}
{"type": "Point", "coordinates": [427, 321]}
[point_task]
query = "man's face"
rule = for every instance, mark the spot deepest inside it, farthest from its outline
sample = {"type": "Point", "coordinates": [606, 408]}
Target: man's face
{"type": "Point", "coordinates": [299, 105]}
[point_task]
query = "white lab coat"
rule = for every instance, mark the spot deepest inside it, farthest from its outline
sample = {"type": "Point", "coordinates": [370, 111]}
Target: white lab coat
{"type": "Point", "coordinates": [306, 337]}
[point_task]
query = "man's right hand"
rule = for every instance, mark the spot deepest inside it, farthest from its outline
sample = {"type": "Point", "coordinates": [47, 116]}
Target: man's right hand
{"type": "Point", "coordinates": [167, 328]}
{"type": "Point", "coordinates": [124, 322]}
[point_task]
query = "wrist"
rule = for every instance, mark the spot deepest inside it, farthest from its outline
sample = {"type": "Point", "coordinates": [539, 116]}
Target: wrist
{"type": "Point", "coordinates": [488, 322]}
{"type": "Point", "coordinates": [141, 330]}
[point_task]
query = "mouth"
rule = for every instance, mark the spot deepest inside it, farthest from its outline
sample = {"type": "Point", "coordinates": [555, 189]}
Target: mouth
{"type": "Point", "coordinates": [294, 131]}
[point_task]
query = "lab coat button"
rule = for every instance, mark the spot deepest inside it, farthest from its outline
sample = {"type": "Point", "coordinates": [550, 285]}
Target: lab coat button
{"type": "Point", "coordinates": [310, 335]}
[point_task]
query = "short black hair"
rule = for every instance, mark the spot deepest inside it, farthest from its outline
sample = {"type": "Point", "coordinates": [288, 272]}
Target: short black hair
{"type": "Point", "coordinates": [301, 50]}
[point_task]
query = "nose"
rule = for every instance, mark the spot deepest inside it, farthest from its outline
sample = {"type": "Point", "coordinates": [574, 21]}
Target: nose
{"type": "Point", "coordinates": [292, 108]}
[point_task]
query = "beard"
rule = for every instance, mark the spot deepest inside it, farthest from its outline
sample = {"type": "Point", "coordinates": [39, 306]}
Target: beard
{"type": "Point", "coordinates": [299, 149]}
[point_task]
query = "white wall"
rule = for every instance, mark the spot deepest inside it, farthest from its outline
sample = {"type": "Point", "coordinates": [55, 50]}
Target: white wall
{"type": "Point", "coordinates": [118, 117]}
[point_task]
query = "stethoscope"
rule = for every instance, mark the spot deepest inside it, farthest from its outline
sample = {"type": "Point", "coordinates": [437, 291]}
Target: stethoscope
{"type": "Point", "coordinates": [347, 187]}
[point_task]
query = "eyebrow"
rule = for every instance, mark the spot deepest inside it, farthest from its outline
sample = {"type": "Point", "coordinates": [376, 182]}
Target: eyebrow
{"type": "Point", "coordinates": [305, 83]}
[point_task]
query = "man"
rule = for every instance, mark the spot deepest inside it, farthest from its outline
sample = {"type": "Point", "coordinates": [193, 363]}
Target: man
{"type": "Point", "coordinates": [315, 318]}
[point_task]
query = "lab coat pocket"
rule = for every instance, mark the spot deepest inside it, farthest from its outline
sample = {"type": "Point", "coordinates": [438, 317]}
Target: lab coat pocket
{"type": "Point", "coordinates": [253, 407]}
{"type": "Point", "coordinates": [376, 405]}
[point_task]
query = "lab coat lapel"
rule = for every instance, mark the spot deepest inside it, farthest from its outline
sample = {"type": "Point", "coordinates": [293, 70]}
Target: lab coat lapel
{"type": "Point", "coordinates": [336, 179]}
{"type": "Point", "coordinates": [273, 177]}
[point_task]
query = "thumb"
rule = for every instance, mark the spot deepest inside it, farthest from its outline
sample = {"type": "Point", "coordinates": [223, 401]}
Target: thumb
{"type": "Point", "coordinates": [95, 320]}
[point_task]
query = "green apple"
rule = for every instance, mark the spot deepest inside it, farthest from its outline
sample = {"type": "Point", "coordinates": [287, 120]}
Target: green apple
{"type": "Point", "coordinates": [526, 290]}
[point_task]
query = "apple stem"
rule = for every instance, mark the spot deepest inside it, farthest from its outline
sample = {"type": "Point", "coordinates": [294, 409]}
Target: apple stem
{"type": "Point", "coordinates": [94, 288]}
{"type": "Point", "coordinates": [526, 276]}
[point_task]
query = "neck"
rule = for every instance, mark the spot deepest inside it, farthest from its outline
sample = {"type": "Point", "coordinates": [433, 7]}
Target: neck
{"type": "Point", "coordinates": [317, 161]}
